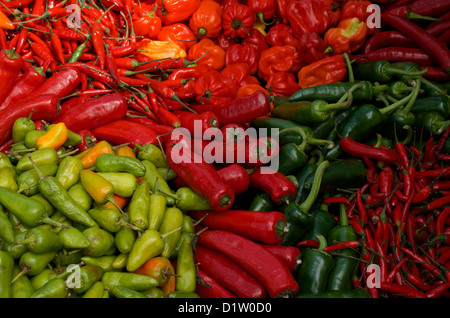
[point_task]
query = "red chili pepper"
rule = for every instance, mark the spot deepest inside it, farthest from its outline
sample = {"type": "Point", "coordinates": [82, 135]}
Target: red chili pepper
{"type": "Point", "coordinates": [333, 200]}
{"type": "Point", "coordinates": [61, 83]}
{"type": "Point", "coordinates": [88, 140]}
{"type": "Point", "coordinates": [241, 110]}
{"type": "Point", "coordinates": [280, 58]}
{"type": "Point", "coordinates": [357, 149]}
{"type": "Point", "coordinates": [437, 291]}
{"type": "Point", "coordinates": [282, 84]}
{"type": "Point", "coordinates": [387, 39]}
{"type": "Point", "coordinates": [265, 227]}
{"type": "Point", "coordinates": [273, 274]}
{"type": "Point", "coordinates": [401, 290]}
{"type": "Point", "coordinates": [308, 17]}
{"type": "Point", "coordinates": [10, 68]}
{"type": "Point", "coordinates": [235, 176]}
{"type": "Point", "coordinates": [228, 273]}
{"type": "Point", "coordinates": [342, 245]}
{"type": "Point", "coordinates": [26, 84]}
{"type": "Point", "coordinates": [395, 269]}
{"type": "Point", "coordinates": [207, 287]}
{"type": "Point", "coordinates": [278, 186]}
{"type": "Point", "coordinates": [42, 107]}
{"type": "Point", "coordinates": [237, 20]}
{"type": "Point", "coordinates": [397, 54]}
{"type": "Point", "coordinates": [290, 255]}
{"type": "Point", "coordinates": [122, 131]}
{"type": "Point", "coordinates": [201, 176]}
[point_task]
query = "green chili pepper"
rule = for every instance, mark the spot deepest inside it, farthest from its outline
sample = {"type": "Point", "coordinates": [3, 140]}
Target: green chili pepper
{"type": "Point", "coordinates": [73, 238]}
{"type": "Point", "coordinates": [8, 179]}
{"type": "Point", "coordinates": [315, 267]}
{"type": "Point", "coordinates": [171, 229]}
{"type": "Point", "coordinates": [46, 156]}
{"type": "Point", "coordinates": [306, 112]}
{"type": "Point", "coordinates": [22, 287]}
{"type": "Point", "coordinates": [158, 206]}
{"type": "Point", "coordinates": [6, 274]}
{"type": "Point", "coordinates": [343, 174]}
{"type": "Point", "coordinates": [5, 161]}
{"type": "Point", "coordinates": [115, 163]}
{"type": "Point", "coordinates": [33, 264]}
{"type": "Point", "coordinates": [106, 261]}
{"type": "Point", "coordinates": [13, 152]}
{"type": "Point", "coordinates": [132, 281]}
{"type": "Point", "coordinates": [32, 136]}
{"type": "Point", "coordinates": [124, 239]}
{"type": "Point", "coordinates": [157, 184]}
{"type": "Point", "coordinates": [362, 123]}
{"type": "Point", "coordinates": [154, 292]}
{"type": "Point", "coordinates": [48, 207]}
{"type": "Point", "coordinates": [382, 71]}
{"type": "Point", "coordinates": [432, 122]}
{"type": "Point", "coordinates": [167, 173]}
{"type": "Point", "coordinates": [186, 271]}
{"type": "Point", "coordinates": [43, 277]}
{"type": "Point", "coordinates": [334, 92]}
{"type": "Point", "coordinates": [139, 206]}
{"type": "Point", "coordinates": [41, 241]}
{"type": "Point", "coordinates": [298, 219]}
{"type": "Point", "coordinates": [95, 291]}
{"type": "Point", "coordinates": [123, 292]}
{"type": "Point", "coordinates": [355, 293]}
{"type": "Point", "coordinates": [79, 194]}
{"type": "Point", "coordinates": [182, 294]}
{"type": "Point", "coordinates": [398, 89]}
{"type": "Point", "coordinates": [64, 258]}
{"type": "Point", "coordinates": [323, 222]}
{"type": "Point", "coordinates": [124, 183]}
{"type": "Point", "coordinates": [21, 127]}
{"type": "Point", "coordinates": [437, 89]}
{"type": "Point", "coordinates": [439, 104]}
{"type": "Point", "coordinates": [89, 274]}
{"type": "Point", "coordinates": [261, 202]}
{"type": "Point", "coordinates": [77, 52]}
{"type": "Point", "coordinates": [120, 261]}
{"type": "Point", "coordinates": [31, 212]}
{"type": "Point", "coordinates": [68, 172]}
{"type": "Point", "coordinates": [16, 250]}
{"type": "Point", "coordinates": [54, 288]}
{"type": "Point", "coordinates": [59, 197]}
{"type": "Point", "coordinates": [153, 154]}
{"type": "Point", "coordinates": [188, 200]}
{"type": "Point", "coordinates": [28, 181]}
{"type": "Point", "coordinates": [102, 242]}
{"type": "Point", "coordinates": [345, 261]}
{"type": "Point", "coordinates": [111, 220]}
{"type": "Point", "coordinates": [6, 227]}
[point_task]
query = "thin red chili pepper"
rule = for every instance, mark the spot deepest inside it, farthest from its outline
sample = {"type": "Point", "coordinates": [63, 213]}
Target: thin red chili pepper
{"type": "Point", "coordinates": [441, 219]}
{"type": "Point", "coordinates": [403, 154]}
{"type": "Point", "coordinates": [437, 291]}
{"type": "Point", "coordinates": [342, 245]}
{"type": "Point", "coordinates": [381, 262]}
{"type": "Point", "coordinates": [401, 290]}
{"type": "Point", "coordinates": [395, 269]}
{"type": "Point", "coordinates": [410, 229]}
{"type": "Point", "coordinates": [441, 142]}
{"type": "Point", "coordinates": [3, 40]}
{"type": "Point", "coordinates": [308, 243]}
{"type": "Point", "coordinates": [360, 150]}
{"type": "Point", "coordinates": [438, 203]}
{"type": "Point", "coordinates": [333, 200]}
{"type": "Point", "coordinates": [423, 262]}
{"type": "Point", "coordinates": [417, 281]}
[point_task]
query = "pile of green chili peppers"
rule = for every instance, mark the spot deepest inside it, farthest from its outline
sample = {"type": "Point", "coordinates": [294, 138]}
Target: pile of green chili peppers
{"type": "Point", "coordinates": [64, 233]}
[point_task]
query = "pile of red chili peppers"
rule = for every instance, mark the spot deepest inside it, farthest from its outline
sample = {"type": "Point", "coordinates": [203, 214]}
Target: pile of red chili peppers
{"type": "Point", "coordinates": [131, 72]}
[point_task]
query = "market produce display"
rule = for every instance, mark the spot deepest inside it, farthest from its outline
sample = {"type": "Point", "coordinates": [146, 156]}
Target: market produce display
{"type": "Point", "coordinates": [250, 149]}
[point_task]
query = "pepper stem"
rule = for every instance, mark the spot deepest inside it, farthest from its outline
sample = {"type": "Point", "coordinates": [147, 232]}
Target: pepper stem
{"type": "Point", "coordinates": [339, 105]}
{"type": "Point", "coordinates": [322, 241]}
{"type": "Point", "coordinates": [343, 220]}
{"type": "Point", "coordinates": [312, 196]}
{"type": "Point", "coordinates": [388, 109]}
{"type": "Point", "coordinates": [414, 94]}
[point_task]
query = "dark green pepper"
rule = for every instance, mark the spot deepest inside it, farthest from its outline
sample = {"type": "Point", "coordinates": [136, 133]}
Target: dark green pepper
{"type": "Point", "coordinates": [355, 293]}
{"type": "Point", "coordinates": [346, 260]}
{"type": "Point", "coordinates": [432, 122]}
{"type": "Point", "coordinates": [398, 89]}
{"type": "Point", "coordinates": [439, 104]}
{"type": "Point", "coordinates": [323, 222]}
{"type": "Point", "coordinates": [114, 163]}
{"type": "Point", "coordinates": [261, 202]}
{"type": "Point", "coordinates": [382, 71]}
{"type": "Point", "coordinates": [315, 267]}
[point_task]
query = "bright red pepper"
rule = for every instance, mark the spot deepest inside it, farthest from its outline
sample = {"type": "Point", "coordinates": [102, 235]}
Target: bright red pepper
{"type": "Point", "coordinates": [209, 53]}
{"type": "Point", "coordinates": [235, 176]}
{"type": "Point", "coordinates": [145, 21]}
{"type": "Point", "coordinates": [213, 89]}
{"type": "Point", "coordinates": [207, 287]}
{"type": "Point", "coordinates": [256, 39]}
{"type": "Point", "coordinates": [239, 73]}
{"type": "Point", "coordinates": [308, 16]}
{"type": "Point", "coordinates": [278, 59]}
{"type": "Point", "coordinates": [264, 10]}
{"type": "Point", "coordinates": [173, 11]}
{"type": "Point", "coordinates": [206, 21]}
{"type": "Point", "coordinates": [192, 121]}
{"type": "Point", "coordinates": [243, 53]}
{"type": "Point", "coordinates": [328, 70]}
{"type": "Point", "coordinates": [178, 33]}
{"type": "Point", "coordinates": [282, 84]}
{"type": "Point", "coordinates": [10, 68]}
{"type": "Point", "coordinates": [237, 20]}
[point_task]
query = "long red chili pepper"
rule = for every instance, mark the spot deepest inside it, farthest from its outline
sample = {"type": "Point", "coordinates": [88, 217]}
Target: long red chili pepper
{"type": "Point", "coordinates": [397, 54]}
{"type": "Point", "coordinates": [191, 121]}
{"type": "Point", "coordinates": [10, 68]}
{"type": "Point", "coordinates": [401, 290]}
{"type": "Point", "coordinates": [265, 227]}
{"type": "Point", "coordinates": [290, 255]}
{"type": "Point", "coordinates": [273, 274]}
{"type": "Point", "coordinates": [207, 287]}
{"type": "Point", "coordinates": [360, 150]}
{"type": "Point", "coordinates": [61, 83]}
{"type": "Point", "coordinates": [386, 39]}
{"type": "Point", "coordinates": [236, 177]}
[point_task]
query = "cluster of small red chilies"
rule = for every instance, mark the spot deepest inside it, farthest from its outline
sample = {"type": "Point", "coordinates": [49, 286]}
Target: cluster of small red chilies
{"type": "Point", "coordinates": [402, 218]}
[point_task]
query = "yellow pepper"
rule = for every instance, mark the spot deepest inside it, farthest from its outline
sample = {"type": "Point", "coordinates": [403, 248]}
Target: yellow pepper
{"type": "Point", "coordinates": [54, 138]}
{"type": "Point", "coordinates": [5, 22]}
{"type": "Point", "coordinates": [125, 151]}
{"type": "Point", "coordinates": [260, 26]}
{"type": "Point", "coordinates": [100, 189]}
{"type": "Point", "coordinates": [162, 49]}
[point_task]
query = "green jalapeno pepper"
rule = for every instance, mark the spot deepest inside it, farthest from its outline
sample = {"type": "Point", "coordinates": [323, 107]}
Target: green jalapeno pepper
{"type": "Point", "coordinates": [398, 89]}
{"type": "Point", "coordinates": [132, 281]}
{"type": "Point", "coordinates": [316, 265]}
{"type": "Point", "coordinates": [68, 172]}
{"type": "Point", "coordinates": [432, 122]}
{"type": "Point", "coordinates": [153, 154]}
{"type": "Point", "coordinates": [323, 222]}
{"type": "Point", "coordinates": [382, 71]}
{"type": "Point", "coordinates": [101, 242]}
{"type": "Point", "coordinates": [33, 264]}
{"type": "Point", "coordinates": [355, 293]}
{"type": "Point", "coordinates": [188, 200]}
{"type": "Point", "coordinates": [6, 274]}
{"type": "Point", "coordinates": [41, 241]}
{"type": "Point", "coordinates": [139, 206]}
{"type": "Point", "coordinates": [114, 163]}
{"type": "Point", "coordinates": [21, 127]}
{"type": "Point", "coordinates": [261, 202]}
{"type": "Point", "coordinates": [439, 104]}
{"type": "Point", "coordinates": [186, 271]}
{"type": "Point", "coordinates": [28, 181]}
{"type": "Point", "coordinates": [9, 178]}
{"type": "Point", "coordinates": [73, 238]}
{"type": "Point", "coordinates": [345, 262]}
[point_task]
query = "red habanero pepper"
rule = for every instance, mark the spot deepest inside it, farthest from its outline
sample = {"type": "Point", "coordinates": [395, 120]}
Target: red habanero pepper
{"type": "Point", "coordinates": [265, 227]}
{"type": "Point", "coordinates": [145, 21]}
{"type": "Point", "coordinates": [241, 110]}
{"type": "Point", "coordinates": [172, 11]}
{"type": "Point", "coordinates": [278, 58]}
{"type": "Point", "coordinates": [235, 176]}
{"type": "Point", "coordinates": [263, 10]}
{"type": "Point", "coordinates": [282, 84]}
{"type": "Point", "coordinates": [197, 123]}
{"type": "Point", "coordinates": [42, 107]}
{"type": "Point", "coordinates": [26, 84]}
{"type": "Point", "coordinates": [213, 89]}
{"type": "Point", "coordinates": [281, 10]}
{"type": "Point", "coordinates": [256, 39]}
{"type": "Point", "coordinates": [206, 21]}
{"type": "Point", "coordinates": [237, 20]}
{"type": "Point", "coordinates": [308, 16]}
{"type": "Point", "coordinates": [239, 73]}
{"type": "Point", "coordinates": [311, 48]}
{"type": "Point", "coordinates": [243, 53]}
{"type": "Point", "coordinates": [273, 274]}
{"type": "Point", "coordinates": [123, 131]}
{"type": "Point", "coordinates": [278, 186]}
{"type": "Point", "coordinates": [209, 53]}
{"type": "Point", "coordinates": [10, 68]}
{"type": "Point", "coordinates": [178, 33]}
{"type": "Point", "coordinates": [207, 287]}
{"type": "Point", "coordinates": [281, 34]}
{"type": "Point", "coordinates": [228, 273]}
{"type": "Point", "coordinates": [199, 175]}
{"type": "Point", "coordinates": [94, 112]}
{"type": "Point", "coordinates": [328, 70]}
{"type": "Point", "coordinates": [290, 255]}
{"type": "Point", "coordinates": [347, 37]}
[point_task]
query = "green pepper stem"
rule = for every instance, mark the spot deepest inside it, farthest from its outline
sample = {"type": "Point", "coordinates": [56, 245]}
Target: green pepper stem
{"type": "Point", "coordinates": [338, 105]}
{"type": "Point", "coordinates": [414, 94]}
{"type": "Point", "coordinates": [396, 71]}
{"type": "Point", "coordinates": [351, 77]}
{"type": "Point", "coordinates": [343, 220]}
{"type": "Point", "coordinates": [433, 86]}
{"type": "Point", "coordinates": [388, 109]}
{"type": "Point", "coordinates": [322, 241]}
{"type": "Point", "coordinates": [315, 189]}
{"type": "Point", "coordinates": [380, 88]}
{"type": "Point", "coordinates": [308, 139]}
{"type": "Point", "coordinates": [122, 222]}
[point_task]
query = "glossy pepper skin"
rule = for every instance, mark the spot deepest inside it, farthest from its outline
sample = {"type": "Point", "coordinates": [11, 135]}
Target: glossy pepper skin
{"type": "Point", "coordinates": [237, 20]}
{"type": "Point", "coordinates": [206, 21]}
{"type": "Point", "coordinates": [324, 71]}
{"type": "Point", "coordinates": [347, 37]}
{"type": "Point", "coordinates": [11, 65]}
{"type": "Point", "coordinates": [207, 52]}
{"type": "Point", "coordinates": [115, 163]}
{"type": "Point", "coordinates": [307, 16]}
{"type": "Point", "coordinates": [171, 11]}
{"type": "Point", "coordinates": [278, 58]}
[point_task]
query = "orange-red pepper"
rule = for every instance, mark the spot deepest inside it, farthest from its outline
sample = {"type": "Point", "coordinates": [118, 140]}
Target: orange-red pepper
{"type": "Point", "coordinates": [145, 21]}
{"type": "Point", "coordinates": [347, 37]}
{"type": "Point", "coordinates": [54, 138]}
{"type": "Point", "coordinates": [279, 58]}
{"type": "Point", "coordinates": [328, 70]}
{"type": "Point", "coordinates": [88, 158]}
{"type": "Point", "coordinates": [172, 11]}
{"type": "Point", "coordinates": [209, 53]}
{"type": "Point", "coordinates": [179, 33]}
{"type": "Point", "coordinates": [206, 21]}
{"type": "Point", "coordinates": [162, 50]}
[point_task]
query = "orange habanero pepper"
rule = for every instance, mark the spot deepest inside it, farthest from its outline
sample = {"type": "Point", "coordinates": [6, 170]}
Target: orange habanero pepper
{"type": "Point", "coordinates": [347, 37]}
{"type": "Point", "coordinates": [328, 70]}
